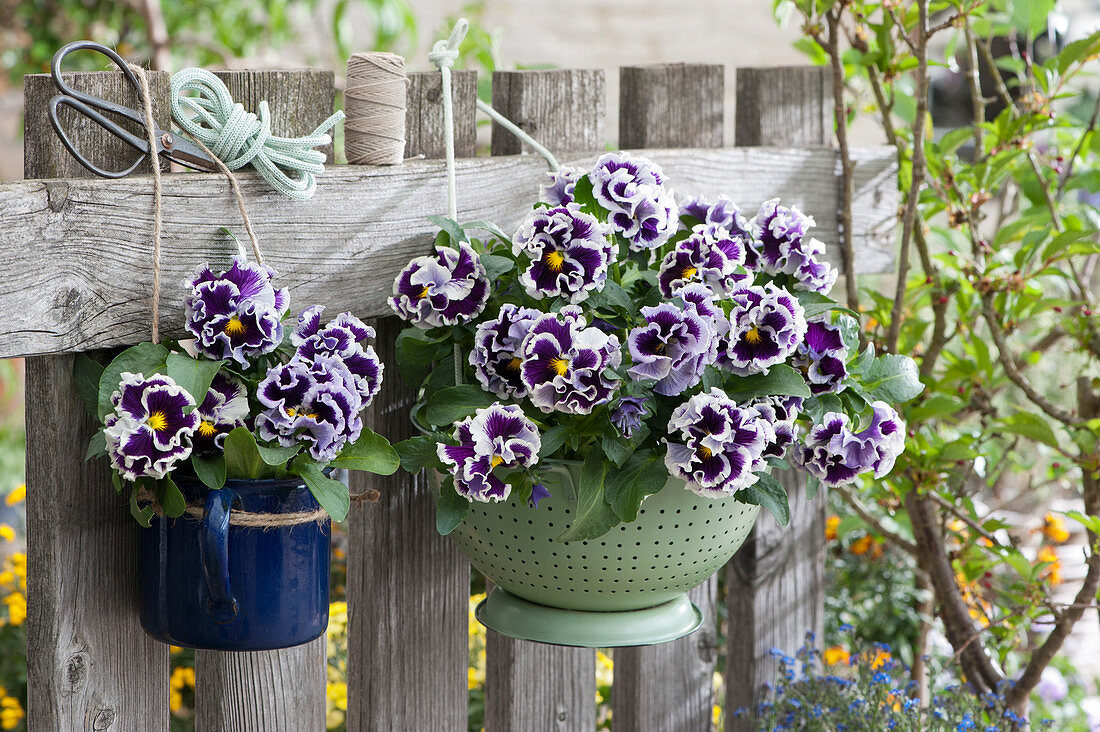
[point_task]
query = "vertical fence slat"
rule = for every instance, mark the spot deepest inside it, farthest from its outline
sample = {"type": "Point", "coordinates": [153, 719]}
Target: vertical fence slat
{"type": "Point", "coordinates": [530, 686]}
{"type": "Point", "coordinates": [668, 687]}
{"type": "Point", "coordinates": [269, 690]}
{"type": "Point", "coordinates": [408, 587]}
{"type": "Point", "coordinates": [89, 664]}
{"type": "Point", "coordinates": [775, 584]}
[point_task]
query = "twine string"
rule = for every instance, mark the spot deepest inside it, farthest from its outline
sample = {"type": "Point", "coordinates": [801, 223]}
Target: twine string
{"type": "Point", "coordinates": [374, 96]}
{"type": "Point", "coordinates": [151, 134]}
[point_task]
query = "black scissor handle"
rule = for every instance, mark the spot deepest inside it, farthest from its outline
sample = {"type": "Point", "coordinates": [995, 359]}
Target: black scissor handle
{"type": "Point", "coordinates": [89, 111]}
{"type": "Point", "coordinates": [55, 72]}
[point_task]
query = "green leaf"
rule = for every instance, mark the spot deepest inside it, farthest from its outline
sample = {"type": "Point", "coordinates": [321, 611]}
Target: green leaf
{"type": "Point", "coordinates": [815, 304]}
{"type": "Point", "coordinates": [496, 265]}
{"type": "Point", "coordinates": [582, 194]}
{"type": "Point", "coordinates": [616, 448]}
{"type": "Point", "coordinates": [193, 375]}
{"type": "Point", "coordinates": [331, 494]}
{"type": "Point", "coordinates": [1092, 523]}
{"type": "Point", "coordinates": [781, 380]}
{"type": "Point", "coordinates": [768, 493]}
{"type": "Point", "coordinates": [210, 469]}
{"type": "Point", "coordinates": [456, 232]}
{"type": "Point", "coordinates": [489, 227]}
{"type": "Point", "coordinates": [144, 358]}
{"type": "Point", "coordinates": [242, 456]}
{"type": "Point", "coordinates": [449, 405]}
{"type": "Point", "coordinates": [96, 446]}
{"type": "Point", "coordinates": [893, 379]}
{"type": "Point", "coordinates": [1031, 426]}
{"type": "Point", "coordinates": [625, 488]}
{"type": "Point", "coordinates": [451, 508]}
{"type": "Point", "coordinates": [418, 453]}
{"type": "Point", "coordinates": [174, 504]}
{"type": "Point", "coordinates": [552, 439]}
{"type": "Point", "coordinates": [613, 295]}
{"type": "Point", "coordinates": [142, 515]}
{"type": "Point", "coordinates": [277, 456]}
{"type": "Point", "coordinates": [86, 375]}
{"type": "Point", "coordinates": [371, 453]}
{"type": "Point", "coordinates": [416, 353]}
{"type": "Point", "coordinates": [594, 517]}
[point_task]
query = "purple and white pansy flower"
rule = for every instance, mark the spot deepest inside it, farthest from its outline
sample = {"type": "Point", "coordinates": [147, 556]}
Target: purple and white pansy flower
{"type": "Point", "coordinates": [567, 363]}
{"type": "Point", "coordinates": [766, 325]}
{"type": "Point", "coordinates": [722, 213]}
{"type": "Point", "coordinates": [315, 404]}
{"type": "Point", "coordinates": [344, 338]}
{"type": "Point", "coordinates": [835, 455]}
{"type": "Point", "coordinates": [151, 427]}
{"type": "Point", "coordinates": [559, 191]}
{"type": "Point", "coordinates": [780, 412]}
{"type": "Point", "coordinates": [716, 446]}
{"type": "Point", "coordinates": [628, 415]}
{"type": "Point", "coordinates": [822, 356]}
{"type": "Point", "coordinates": [631, 189]}
{"type": "Point", "coordinates": [224, 408]}
{"type": "Point", "coordinates": [447, 288]}
{"type": "Point", "coordinates": [570, 253]}
{"type": "Point", "coordinates": [496, 354]}
{"type": "Point", "coordinates": [673, 348]}
{"type": "Point", "coordinates": [498, 436]}
{"type": "Point", "coordinates": [708, 256]}
{"type": "Point", "coordinates": [236, 314]}
{"type": "Point", "coordinates": [783, 247]}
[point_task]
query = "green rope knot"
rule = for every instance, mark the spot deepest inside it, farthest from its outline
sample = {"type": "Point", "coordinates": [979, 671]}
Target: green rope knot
{"type": "Point", "coordinates": [239, 137]}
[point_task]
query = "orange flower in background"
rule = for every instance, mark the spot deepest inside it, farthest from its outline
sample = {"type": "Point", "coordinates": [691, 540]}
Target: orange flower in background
{"type": "Point", "coordinates": [17, 495]}
{"type": "Point", "coordinates": [1052, 573]}
{"type": "Point", "coordinates": [978, 607]}
{"type": "Point", "coordinates": [1054, 529]}
{"type": "Point", "coordinates": [880, 659]}
{"type": "Point", "coordinates": [836, 655]}
{"type": "Point", "coordinates": [861, 545]}
{"type": "Point", "coordinates": [831, 525]}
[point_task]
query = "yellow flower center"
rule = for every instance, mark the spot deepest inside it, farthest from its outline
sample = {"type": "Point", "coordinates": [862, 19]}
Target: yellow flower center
{"type": "Point", "coordinates": [497, 460]}
{"type": "Point", "coordinates": [291, 411]}
{"type": "Point", "coordinates": [206, 429]}
{"type": "Point", "coordinates": [423, 293]}
{"type": "Point", "coordinates": [235, 326]}
{"type": "Point", "coordinates": [560, 366]}
{"type": "Point", "coordinates": [554, 261]}
{"type": "Point", "coordinates": [753, 336]}
{"type": "Point", "coordinates": [158, 422]}
{"type": "Point", "coordinates": [705, 452]}
{"type": "Point", "coordinates": [688, 273]}
{"type": "Point", "coordinates": [514, 364]}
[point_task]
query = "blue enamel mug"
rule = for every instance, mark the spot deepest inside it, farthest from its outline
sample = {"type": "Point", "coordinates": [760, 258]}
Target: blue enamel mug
{"type": "Point", "coordinates": [210, 583]}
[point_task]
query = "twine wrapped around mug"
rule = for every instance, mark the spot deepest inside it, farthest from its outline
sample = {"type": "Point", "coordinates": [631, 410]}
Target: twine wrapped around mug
{"type": "Point", "coordinates": [375, 93]}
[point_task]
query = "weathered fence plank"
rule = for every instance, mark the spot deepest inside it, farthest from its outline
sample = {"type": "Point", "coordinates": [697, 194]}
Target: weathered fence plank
{"type": "Point", "coordinates": [408, 587]}
{"type": "Point", "coordinates": [531, 685]}
{"type": "Point", "coordinates": [269, 690]}
{"type": "Point", "coordinates": [89, 665]}
{"type": "Point", "coordinates": [669, 687]}
{"type": "Point", "coordinates": [671, 105]}
{"type": "Point", "coordinates": [564, 109]}
{"type": "Point", "coordinates": [92, 235]}
{"type": "Point", "coordinates": [775, 584]}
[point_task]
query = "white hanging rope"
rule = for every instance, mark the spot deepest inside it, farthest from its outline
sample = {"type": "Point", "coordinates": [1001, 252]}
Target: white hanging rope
{"type": "Point", "coordinates": [444, 54]}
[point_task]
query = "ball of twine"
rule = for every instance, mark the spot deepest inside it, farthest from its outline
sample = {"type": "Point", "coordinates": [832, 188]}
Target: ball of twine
{"type": "Point", "coordinates": [374, 131]}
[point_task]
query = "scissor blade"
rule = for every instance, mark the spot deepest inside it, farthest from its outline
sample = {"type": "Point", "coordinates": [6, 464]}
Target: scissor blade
{"type": "Point", "coordinates": [186, 153]}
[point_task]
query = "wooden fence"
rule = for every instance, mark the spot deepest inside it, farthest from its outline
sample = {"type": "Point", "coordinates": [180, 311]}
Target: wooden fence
{"type": "Point", "coordinates": [77, 258]}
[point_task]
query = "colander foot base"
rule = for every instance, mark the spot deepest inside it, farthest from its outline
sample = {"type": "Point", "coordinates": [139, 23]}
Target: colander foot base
{"type": "Point", "coordinates": [517, 618]}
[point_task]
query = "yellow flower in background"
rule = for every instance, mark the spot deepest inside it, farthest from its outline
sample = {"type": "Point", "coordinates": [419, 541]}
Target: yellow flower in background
{"type": "Point", "coordinates": [861, 545]}
{"type": "Point", "coordinates": [716, 716]}
{"type": "Point", "coordinates": [7, 533]}
{"type": "Point", "coordinates": [831, 525]}
{"type": "Point", "coordinates": [605, 669]}
{"type": "Point", "coordinates": [11, 713]}
{"type": "Point", "coordinates": [182, 679]}
{"type": "Point", "coordinates": [17, 495]}
{"type": "Point", "coordinates": [881, 659]}
{"type": "Point", "coordinates": [836, 655]}
{"type": "Point", "coordinates": [1054, 529]}
{"type": "Point", "coordinates": [337, 691]}
{"type": "Point", "coordinates": [1052, 573]}
{"type": "Point", "coordinates": [17, 608]}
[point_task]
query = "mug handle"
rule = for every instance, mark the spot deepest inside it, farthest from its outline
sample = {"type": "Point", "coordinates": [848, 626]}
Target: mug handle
{"type": "Point", "coordinates": [214, 552]}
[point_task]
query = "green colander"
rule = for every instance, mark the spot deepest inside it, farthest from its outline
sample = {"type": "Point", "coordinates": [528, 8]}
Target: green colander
{"type": "Point", "coordinates": [627, 587]}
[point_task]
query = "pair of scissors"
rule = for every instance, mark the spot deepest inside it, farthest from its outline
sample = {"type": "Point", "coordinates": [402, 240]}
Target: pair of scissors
{"type": "Point", "coordinates": [168, 145]}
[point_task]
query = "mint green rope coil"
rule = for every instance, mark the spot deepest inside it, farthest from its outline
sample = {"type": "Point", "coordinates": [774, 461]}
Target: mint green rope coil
{"type": "Point", "coordinates": [239, 137]}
